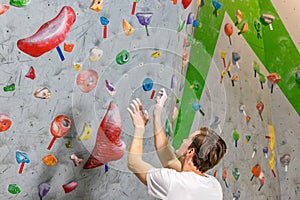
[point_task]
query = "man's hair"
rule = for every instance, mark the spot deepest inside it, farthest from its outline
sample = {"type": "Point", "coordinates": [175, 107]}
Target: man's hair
{"type": "Point", "coordinates": [209, 148]}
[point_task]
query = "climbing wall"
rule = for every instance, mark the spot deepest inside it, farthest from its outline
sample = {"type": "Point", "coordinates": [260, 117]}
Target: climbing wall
{"type": "Point", "coordinates": [82, 69]}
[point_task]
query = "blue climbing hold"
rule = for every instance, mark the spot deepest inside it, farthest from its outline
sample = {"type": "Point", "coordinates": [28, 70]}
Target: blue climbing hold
{"type": "Point", "coordinates": [147, 84]}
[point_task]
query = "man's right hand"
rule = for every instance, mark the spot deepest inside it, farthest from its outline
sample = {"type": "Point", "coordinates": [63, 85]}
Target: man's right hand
{"type": "Point", "coordinates": [161, 99]}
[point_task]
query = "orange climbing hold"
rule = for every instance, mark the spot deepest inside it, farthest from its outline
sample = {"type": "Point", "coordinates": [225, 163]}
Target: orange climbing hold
{"type": "Point", "coordinates": [50, 160]}
{"type": "Point", "coordinates": [68, 47]}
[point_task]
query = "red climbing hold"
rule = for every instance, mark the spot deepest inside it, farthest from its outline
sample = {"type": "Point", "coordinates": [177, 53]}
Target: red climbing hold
{"type": "Point", "coordinates": [108, 146]}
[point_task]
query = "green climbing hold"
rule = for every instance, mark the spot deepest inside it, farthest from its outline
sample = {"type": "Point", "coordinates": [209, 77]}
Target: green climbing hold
{"type": "Point", "coordinates": [256, 68]}
{"type": "Point", "coordinates": [248, 137]}
{"type": "Point", "coordinates": [236, 173]}
{"type": "Point", "coordinates": [9, 88]}
{"type": "Point", "coordinates": [168, 129]}
{"type": "Point", "coordinates": [262, 78]}
{"type": "Point", "coordinates": [19, 3]}
{"type": "Point", "coordinates": [13, 189]}
{"type": "Point", "coordinates": [177, 100]}
{"type": "Point", "coordinates": [236, 137]}
{"type": "Point", "coordinates": [196, 86]}
{"type": "Point", "coordinates": [180, 26]}
{"type": "Point", "coordinates": [122, 57]}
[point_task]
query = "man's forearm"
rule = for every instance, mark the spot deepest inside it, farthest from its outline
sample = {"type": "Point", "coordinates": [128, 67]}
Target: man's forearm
{"type": "Point", "coordinates": [163, 149]}
{"type": "Point", "coordinates": [135, 162]}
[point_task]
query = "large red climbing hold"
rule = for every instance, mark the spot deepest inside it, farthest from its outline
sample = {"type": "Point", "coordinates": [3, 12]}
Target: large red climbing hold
{"type": "Point", "coordinates": [108, 146]}
{"type": "Point", "coordinates": [50, 34]}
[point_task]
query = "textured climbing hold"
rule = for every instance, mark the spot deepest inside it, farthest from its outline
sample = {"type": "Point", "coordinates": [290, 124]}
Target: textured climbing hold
{"type": "Point", "coordinates": [144, 19]}
{"type": "Point", "coordinates": [13, 189]}
{"type": "Point", "coordinates": [262, 80]}
{"type": "Point", "coordinates": [239, 17]}
{"type": "Point", "coordinates": [77, 66]}
{"type": "Point", "coordinates": [268, 19]}
{"type": "Point", "coordinates": [256, 68]}
{"type": "Point", "coordinates": [147, 84]}
{"type": "Point", "coordinates": [127, 28]}
{"type": "Point", "coordinates": [122, 57]}
{"type": "Point", "coordinates": [265, 151]}
{"type": "Point", "coordinates": [224, 176]}
{"type": "Point", "coordinates": [108, 146]}
{"type": "Point", "coordinates": [96, 5]}
{"type": "Point", "coordinates": [59, 127]}
{"type": "Point", "coordinates": [31, 73]}
{"type": "Point", "coordinates": [110, 88]}
{"type": "Point", "coordinates": [228, 28]}
{"type": "Point", "coordinates": [3, 8]}
{"type": "Point", "coordinates": [217, 6]}
{"type": "Point", "coordinates": [19, 3]}
{"type": "Point", "coordinates": [180, 26]}
{"type": "Point", "coordinates": [236, 173]}
{"type": "Point", "coordinates": [69, 187]}
{"type": "Point", "coordinates": [168, 127]}
{"type": "Point", "coordinates": [236, 137]}
{"type": "Point", "coordinates": [68, 144]}
{"type": "Point", "coordinates": [44, 188]}
{"type": "Point", "coordinates": [22, 158]}
{"type": "Point", "coordinates": [5, 122]}
{"type": "Point", "coordinates": [49, 35]}
{"type": "Point", "coordinates": [104, 21]}
{"type": "Point", "coordinates": [87, 80]}
{"type": "Point", "coordinates": [186, 3]}
{"type": "Point", "coordinates": [260, 107]}
{"type": "Point", "coordinates": [248, 138]}
{"type": "Point", "coordinates": [285, 161]}
{"type": "Point", "coordinates": [9, 88]}
{"type": "Point", "coordinates": [95, 54]}
{"type": "Point", "coordinates": [156, 54]}
{"type": "Point", "coordinates": [273, 78]}
{"type": "Point", "coordinates": [86, 132]}
{"type": "Point", "coordinates": [68, 47]}
{"type": "Point", "coordinates": [190, 18]}
{"type": "Point", "coordinates": [244, 28]}
{"type": "Point", "coordinates": [256, 170]}
{"type": "Point", "coordinates": [77, 161]}
{"type": "Point", "coordinates": [195, 23]}
{"type": "Point", "coordinates": [235, 58]}
{"type": "Point", "coordinates": [233, 79]}
{"type": "Point", "coordinates": [50, 160]}
{"type": "Point", "coordinates": [42, 93]}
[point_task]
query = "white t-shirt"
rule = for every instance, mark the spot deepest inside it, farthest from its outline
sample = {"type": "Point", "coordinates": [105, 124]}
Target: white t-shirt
{"type": "Point", "coordinates": [169, 184]}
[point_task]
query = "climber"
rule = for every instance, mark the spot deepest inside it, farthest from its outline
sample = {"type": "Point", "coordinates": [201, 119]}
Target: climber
{"type": "Point", "coordinates": [182, 178]}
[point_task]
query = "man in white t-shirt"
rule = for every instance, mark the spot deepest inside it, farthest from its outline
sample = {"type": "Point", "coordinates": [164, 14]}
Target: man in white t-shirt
{"type": "Point", "coordinates": [182, 178]}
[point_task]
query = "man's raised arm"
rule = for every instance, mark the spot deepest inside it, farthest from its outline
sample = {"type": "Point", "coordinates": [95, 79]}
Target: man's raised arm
{"type": "Point", "coordinates": [162, 146]}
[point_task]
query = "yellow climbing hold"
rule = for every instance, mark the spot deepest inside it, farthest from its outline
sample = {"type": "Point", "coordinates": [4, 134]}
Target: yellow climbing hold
{"type": "Point", "coordinates": [86, 132]}
{"type": "Point", "coordinates": [156, 54]}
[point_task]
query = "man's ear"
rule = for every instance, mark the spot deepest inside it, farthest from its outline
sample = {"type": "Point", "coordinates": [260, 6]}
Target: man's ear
{"type": "Point", "coordinates": [190, 152]}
